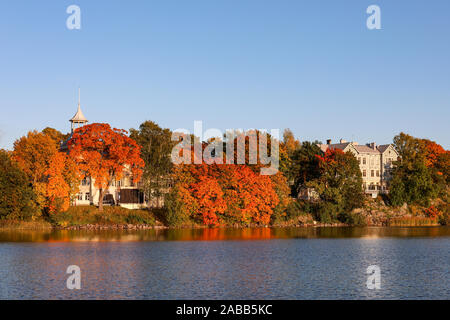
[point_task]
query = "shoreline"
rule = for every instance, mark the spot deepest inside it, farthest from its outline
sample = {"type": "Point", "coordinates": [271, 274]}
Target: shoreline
{"type": "Point", "coordinates": [45, 226]}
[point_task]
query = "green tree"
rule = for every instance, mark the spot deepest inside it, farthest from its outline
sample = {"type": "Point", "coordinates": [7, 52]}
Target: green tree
{"type": "Point", "coordinates": [305, 165]}
{"type": "Point", "coordinates": [17, 199]}
{"type": "Point", "coordinates": [288, 147]}
{"type": "Point", "coordinates": [340, 182]}
{"type": "Point", "coordinates": [156, 147]}
{"type": "Point", "coordinates": [417, 176]}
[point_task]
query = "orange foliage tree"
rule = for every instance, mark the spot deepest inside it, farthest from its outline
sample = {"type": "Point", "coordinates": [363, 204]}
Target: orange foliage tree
{"type": "Point", "coordinates": [220, 194]}
{"type": "Point", "coordinates": [432, 152]}
{"type": "Point", "coordinates": [103, 154]}
{"type": "Point", "coordinates": [32, 154]}
{"type": "Point", "coordinates": [63, 181]}
{"type": "Point", "coordinates": [227, 194]}
{"type": "Point", "coordinates": [51, 173]}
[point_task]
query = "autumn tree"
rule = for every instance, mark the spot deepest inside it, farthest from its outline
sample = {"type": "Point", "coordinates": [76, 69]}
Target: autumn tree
{"type": "Point", "coordinates": [221, 194]}
{"type": "Point", "coordinates": [17, 198]}
{"type": "Point", "coordinates": [55, 135]}
{"type": "Point", "coordinates": [156, 147]}
{"type": "Point", "coordinates": [33, 154]}
{"type": "Point", "coordinates": [290, 142]}
{"type": "Point", "coordinates": [288, 146]}
{"type": "Point", "coordinates": [421, 173]}
{"type": "Point", "coordinates": [62, 182]}
{"type": "Point", "coordinates": [103, 154]}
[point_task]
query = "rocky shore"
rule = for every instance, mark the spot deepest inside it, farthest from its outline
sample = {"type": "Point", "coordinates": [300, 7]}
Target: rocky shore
{"type": "Point", "coordinates": [113, 227]}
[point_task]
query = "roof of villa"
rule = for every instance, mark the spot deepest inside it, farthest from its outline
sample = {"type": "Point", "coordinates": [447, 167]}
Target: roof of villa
{"type": "Point", "coordinates": [359, 148]}
{"type": "Point", "coordinates": [383, 147]}
{"type": "Point", "coordinates": [79, 116]}
{"type": "Point", "coordinates": [366, 149]}
{"type": "Point", "coordinates": [341, 146]}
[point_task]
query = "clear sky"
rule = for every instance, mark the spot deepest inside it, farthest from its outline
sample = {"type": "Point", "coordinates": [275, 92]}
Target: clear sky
{"type": "Point", "coordinates": [311, 66]}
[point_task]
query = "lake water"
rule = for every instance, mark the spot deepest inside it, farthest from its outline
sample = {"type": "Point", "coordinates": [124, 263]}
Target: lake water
{"type": "Point", "coordinates": [265, 263]}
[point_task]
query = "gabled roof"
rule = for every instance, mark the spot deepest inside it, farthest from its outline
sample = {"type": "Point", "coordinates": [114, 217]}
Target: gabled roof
{"type": "Point", "coordinates": [383, 147]}
{"type": "Point", "coordinates": [366, 149]}
{"type": "Point", "coordinates": [341, 146]}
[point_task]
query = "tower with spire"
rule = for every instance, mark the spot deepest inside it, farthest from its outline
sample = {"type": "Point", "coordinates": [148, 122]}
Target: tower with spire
{"type": "Point", "coordinates": [78, 120]}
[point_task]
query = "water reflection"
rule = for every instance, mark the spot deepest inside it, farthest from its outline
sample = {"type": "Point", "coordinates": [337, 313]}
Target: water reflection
{"type": "Point", "coordinates": [219, 234]}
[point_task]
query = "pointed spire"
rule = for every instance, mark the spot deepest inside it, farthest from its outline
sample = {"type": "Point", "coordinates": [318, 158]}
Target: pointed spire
{"type": "Point", "coordinates": [79, 117]}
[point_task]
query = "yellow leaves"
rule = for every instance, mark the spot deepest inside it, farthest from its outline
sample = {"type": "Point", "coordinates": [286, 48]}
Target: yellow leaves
{"type": "Point", "coordinates": [33, 153]}
{"type": "Point", "coordinates": [52, 174]}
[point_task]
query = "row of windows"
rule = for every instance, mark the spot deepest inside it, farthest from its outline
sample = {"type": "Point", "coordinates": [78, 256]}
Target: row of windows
{"type": "Point", "coordinates": [84, 196]}
{"type": "Point", "coordinates": [372, 173]}
{"type": "Point", "coordinates": [118, 183]}
{"type": "Point", "coordinates": [372, 162]}
{"type": "Point", "coordinates": [364, 161]}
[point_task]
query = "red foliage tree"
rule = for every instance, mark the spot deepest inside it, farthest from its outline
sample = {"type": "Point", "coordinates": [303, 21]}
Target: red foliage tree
{"type": "Point", "coordinates": [104, 153]}
{"type": "Point", "coordinates": [225, 193]}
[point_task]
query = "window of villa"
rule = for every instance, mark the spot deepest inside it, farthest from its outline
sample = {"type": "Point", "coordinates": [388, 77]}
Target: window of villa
{"type": "Point", "coordinates": [372, 173]}
{"type": "Point", "coordinates": [364, 173]}
{"type": "Point", "coordinates": [364, 160]}
{"type": "Point", "coordinates": [80, 196]}
{"type": "Point", "coordinates": [87, 196]}
{"type": "Point", "coordinates": [378, 173]}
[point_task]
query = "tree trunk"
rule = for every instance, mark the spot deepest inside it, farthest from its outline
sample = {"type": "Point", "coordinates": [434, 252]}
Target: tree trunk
{"type": "Point", "coordinates": [100, 200]}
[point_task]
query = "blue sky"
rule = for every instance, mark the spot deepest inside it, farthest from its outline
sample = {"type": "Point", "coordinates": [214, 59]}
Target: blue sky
{"type": "Point", "coordinates": [311, 66]}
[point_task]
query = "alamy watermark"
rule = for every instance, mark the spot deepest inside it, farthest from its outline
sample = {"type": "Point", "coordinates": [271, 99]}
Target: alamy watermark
{"type": "Point", "coordinates": [374, 20]}
{"type": "Point", "coordinates": [74, 280]}
{"type": "Point", "coordinates": [374, 278]}
{"type": "Point", "coordinates": [74, 20]}
{"type": "Point", "coordinates": [208, 147]}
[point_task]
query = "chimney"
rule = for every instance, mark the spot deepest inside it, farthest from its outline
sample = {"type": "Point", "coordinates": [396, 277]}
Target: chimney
{"type": "Point", "coordinates": [373, 145]}
{"type": "Point", "coordinates": [328, 141]}
{"type": "Point", "coordinates": [342, 141]}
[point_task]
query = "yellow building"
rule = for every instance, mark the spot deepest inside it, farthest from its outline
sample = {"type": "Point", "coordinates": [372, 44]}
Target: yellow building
{"type": "Point", "coordinates": [375, 163]}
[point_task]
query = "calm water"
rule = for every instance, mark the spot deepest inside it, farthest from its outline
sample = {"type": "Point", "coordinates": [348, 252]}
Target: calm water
{"type": "Point", "coordinates": [294, 263]}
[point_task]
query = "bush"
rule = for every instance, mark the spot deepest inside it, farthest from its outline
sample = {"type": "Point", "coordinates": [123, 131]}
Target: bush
{"type": "Point", "coordinates": [325, 212]}
{"type": "Point", "coordinates": [432, 212]}
{"type": "Point", "coordinates": [444, 219]}
{"type": "Point", "coordinates": [294, 210]}
{"type": "Point", "coordinates": [83, 215]}
{"type": "Point", "coordinates": [175, 215]}
{"type": "Point", "coordinates": [353, 219]}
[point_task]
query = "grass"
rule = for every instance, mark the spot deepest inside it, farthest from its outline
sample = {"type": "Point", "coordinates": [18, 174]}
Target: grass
{"type": "Point", "coordinates": [84, 215]}
{"type": "Point", "coordinates": [412, 222]}
{"type": "Point", "coordinates": [25, 225]}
